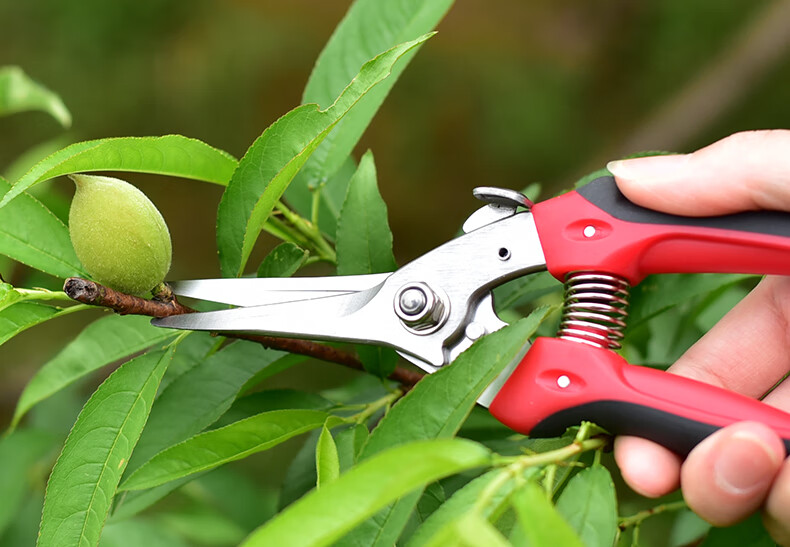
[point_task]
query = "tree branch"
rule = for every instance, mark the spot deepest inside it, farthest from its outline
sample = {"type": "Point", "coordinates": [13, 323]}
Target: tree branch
{"type": "Point", "coordinates": [165, 304]}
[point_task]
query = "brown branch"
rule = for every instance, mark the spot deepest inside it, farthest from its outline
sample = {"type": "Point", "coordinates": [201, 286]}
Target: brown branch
{"type": "Point", "coordinates": [165, 304]}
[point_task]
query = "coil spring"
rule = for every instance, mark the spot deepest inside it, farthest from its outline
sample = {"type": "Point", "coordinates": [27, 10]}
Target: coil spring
{"type": "Point", "coordinates": [594, 312]}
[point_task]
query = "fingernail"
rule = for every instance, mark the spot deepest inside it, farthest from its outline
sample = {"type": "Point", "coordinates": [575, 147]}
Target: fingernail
{"type": "Point", "coordinates": [650, 168]}
{"type": "Point", "coordinates": [745, 464]}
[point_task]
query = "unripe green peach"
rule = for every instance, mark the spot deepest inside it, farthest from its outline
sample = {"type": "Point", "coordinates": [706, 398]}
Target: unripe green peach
{"type": "Point", "coordinates": [118, 234]}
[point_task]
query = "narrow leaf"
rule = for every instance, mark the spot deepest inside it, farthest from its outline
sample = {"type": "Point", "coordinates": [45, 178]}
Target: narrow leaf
{"type": "Point", "coordinates": [436, 407]}
{"type": "Point", "coordinates": [327, 462]}
{"type": "Point", "coordinates": [18, 93]}
{"type": "Point", "coordinates": [200, 396]}
{"type": "Point", "coordinates": [364, 246]}
{"type": "Point", "coordinates": [364, 239]}
{"type": "Point", "coordinates": [540, 521]}
{"type": "Point", "coordinates": [83, 482]}
{"type": "Point", "coordinates": [370, 26]}
{"type": "Point", "coordinates": [323, 516]}
{"type": "Point", "coordinates": [277, 155]}
{"type": "Point", "coordinates": [104, 341]}
{"type": "Point", "coordinates": [23, 315]}
{"type": "Point", "coordinates": [589, 505]}
{"type": "Point", "coordinates": [32, 235]}
{"type": "Point", "coordinates": [283, 261]}
{"type": "Point", "coordinates": [470, 530]}
{"type": "Point", "coordinates": [219, 446]}
{"type": "Point", "coordinates": [460, 503]}
{"type": "Point", "coordinates": [172, 155]}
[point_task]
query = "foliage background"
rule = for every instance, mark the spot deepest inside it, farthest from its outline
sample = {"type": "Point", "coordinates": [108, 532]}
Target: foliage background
{"type": "Point", "coordinates": [508, 94]}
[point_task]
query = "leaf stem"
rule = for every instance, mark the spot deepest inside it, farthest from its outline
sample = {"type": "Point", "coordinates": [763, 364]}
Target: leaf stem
{"type": "Point", "coordinates": [310, 231]}
{"type": "Point", "coordinates": [42, 294]}
{"type": "Point", "coordinates": [637, 518]}
{"type": "Point", "coordinates": [372, 408]}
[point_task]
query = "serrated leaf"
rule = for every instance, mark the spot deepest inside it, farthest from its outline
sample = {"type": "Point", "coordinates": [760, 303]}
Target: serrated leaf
{"type": "Point", "coordinates": [172, 155]}
{"type": "Point", "coordinates": [21, 316]}
{"type": "Point", "coordinates": [589, 505]}
{"type": "Point", "coordinates": [323, 516]}
{"type": "Point", "coordinates": [104, 341]}
{"type": "Point", "coordinates": [283, 261]}
{"type": "Point", "coordinates": [460, 503]}
{"type": "Point", "coordinates": [436, 407]}
{"type": "Point", "coordinates": [200, 396]}
{"type": "Point", "coordinates": [539, 520]}
{"type": "Point", "coordinates": [277, 155]}
{"type": "Point", "coordinates": [32, 235]}
{"type": "Point", "coordinates": [226, 444]}
{"type": "Point", "coordinates": [19, 93]}
{"type": "Point", "coordinates": [83, 482]}
{"type": "Point", "coordinates": [327, 462]}
{"type": "Point", "coordinates": [349, 443]}
{"type": "Point", "coordinates": [370, 26]}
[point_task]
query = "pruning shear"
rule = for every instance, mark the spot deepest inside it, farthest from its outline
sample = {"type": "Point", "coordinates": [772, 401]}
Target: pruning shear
{"type": "Point", "coordinates": [594, 240]}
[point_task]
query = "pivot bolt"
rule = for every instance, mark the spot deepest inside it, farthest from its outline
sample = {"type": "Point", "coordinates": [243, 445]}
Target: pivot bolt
{"type": "Point", "coordinates": [419, 308]}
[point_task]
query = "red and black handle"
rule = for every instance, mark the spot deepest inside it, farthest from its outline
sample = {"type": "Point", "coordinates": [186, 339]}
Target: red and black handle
{"type": "Point", "coordinates": [561, 382]}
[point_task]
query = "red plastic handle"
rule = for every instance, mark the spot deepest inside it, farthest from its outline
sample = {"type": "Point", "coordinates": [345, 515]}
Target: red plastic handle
{"type": "Point", "coordinates": [559, 383]}
{"type": "Point", "coordinates": [597, 229]}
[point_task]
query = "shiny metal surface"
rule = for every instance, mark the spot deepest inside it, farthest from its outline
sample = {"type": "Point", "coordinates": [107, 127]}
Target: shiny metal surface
{"type": "Point", "coordinates": [360, 308]}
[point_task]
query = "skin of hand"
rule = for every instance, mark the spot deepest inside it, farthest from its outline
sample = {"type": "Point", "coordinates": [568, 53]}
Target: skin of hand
{"type": "Point", "coordinates": [743, 467]}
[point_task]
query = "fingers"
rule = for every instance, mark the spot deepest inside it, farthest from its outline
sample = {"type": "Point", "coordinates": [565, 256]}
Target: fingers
{"type": "Point", "coordinates": [745, 171]}
{"type": "Point", "coordinates": [728, 475]}
{"type": "Point", "coordinates": [648, 468]}
{"type": "Point", "coordinates": [776, 515]}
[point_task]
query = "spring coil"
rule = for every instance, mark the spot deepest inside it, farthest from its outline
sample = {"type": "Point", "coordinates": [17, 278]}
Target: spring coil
{"type": "Point", "coordinates": [595, 309]}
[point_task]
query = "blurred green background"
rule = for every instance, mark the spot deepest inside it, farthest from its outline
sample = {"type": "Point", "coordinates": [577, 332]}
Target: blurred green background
{"type": "Point", "coordinates": [509, 93]}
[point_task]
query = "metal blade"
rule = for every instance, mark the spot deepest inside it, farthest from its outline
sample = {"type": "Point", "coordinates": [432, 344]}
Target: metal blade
{"type": "Point", "coordinates": [265, 291]}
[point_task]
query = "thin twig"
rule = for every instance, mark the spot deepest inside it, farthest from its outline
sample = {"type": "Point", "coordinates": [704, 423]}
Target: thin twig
{"type": "Point", "coordinates": [165, 304]}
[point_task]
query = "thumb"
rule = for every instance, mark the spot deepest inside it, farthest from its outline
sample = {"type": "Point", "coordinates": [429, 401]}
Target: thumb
{"type": "Point", "coordinates": [745, 171]}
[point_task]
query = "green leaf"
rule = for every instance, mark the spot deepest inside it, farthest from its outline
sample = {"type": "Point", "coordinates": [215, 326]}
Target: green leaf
{"type": "Point", "coordinates": [327, 462]}
{"type": "Point", "coordinates": [172, 155]}
{"type": "Point", "coordinates": [364, 246]}
{"type": "Point", "coordinates": [370, 26]}
{"type": "Point", "coordinates": [540, 521]}
{"type": "Point", "coordinates": [277, 155]}
{"type": "Point", "coordinates": [83, 482]}
{"type": "Point", "coordinates": [323, 516]}
{"type": "Point", "coordinates": [200, 396]}
{"type": "Point", "coordinates": [219, 446]}
{"type": "Point", "coordinates": [460, 503]}
{"type": "Point", "coordinates": [18, 93]}
{"type": "Point", "coordinates": [349, 444]}
{"type": "Point", "coordinates": [589, 505]}
{"type": "Point", "coordinates": [20, 453]}
{"type": "Point", "coordinates": [364, 239]}
{"type": "Point", "coordinates": [659, 293]}
{"type": "Point", "coordinates": [104, 341]}
{"type": "Point", "coordinates": [32, 235]}
{"type": "Point", "coordinates": [749, 533]}
{"type": "Point", "coordinates": [283, 261]}
{"type": "Point", "coordinates": [470, 530]}
{"type": "Point", "coordinates": [439, 404]}
{"type": "Point", "coordinates": [436, 407]}
{"type": "Point", "coordinates": [8, 295]}
{"type": "Point", "coordinates": [23, 315]}
{"type": "Point", "coordinates": [139, 532]}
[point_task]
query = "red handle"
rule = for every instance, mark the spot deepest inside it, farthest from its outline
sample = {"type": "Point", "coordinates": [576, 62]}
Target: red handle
{"type": "Point", "coordinates": [560, 383]}
{"type": "Point", "coordinates": [597, 229]}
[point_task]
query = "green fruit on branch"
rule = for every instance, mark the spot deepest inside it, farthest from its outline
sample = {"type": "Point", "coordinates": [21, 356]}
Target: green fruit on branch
{"type": "Point", "coordinates": [118, 234]}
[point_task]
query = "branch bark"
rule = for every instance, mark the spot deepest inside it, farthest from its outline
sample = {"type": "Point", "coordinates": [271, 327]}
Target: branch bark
{"type": "Point", "coordinates": [165, 304]}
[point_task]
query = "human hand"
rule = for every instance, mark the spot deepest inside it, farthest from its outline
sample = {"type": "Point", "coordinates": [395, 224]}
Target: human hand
{"type": "Point", "coordinates": [742, 467]}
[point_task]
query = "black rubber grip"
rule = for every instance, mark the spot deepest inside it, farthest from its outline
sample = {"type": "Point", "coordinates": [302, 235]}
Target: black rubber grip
{"type": "Point", "coordinates": [622, 418]}
{"type": "Point", "coordinates": [604, 194]}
